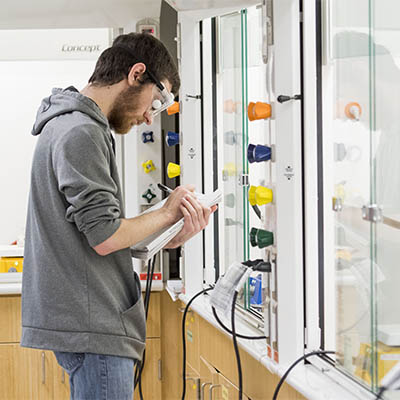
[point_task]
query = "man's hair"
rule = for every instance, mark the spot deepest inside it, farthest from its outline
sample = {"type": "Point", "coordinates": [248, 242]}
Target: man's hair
{"type": "Point", "coordinates": [115, 62]}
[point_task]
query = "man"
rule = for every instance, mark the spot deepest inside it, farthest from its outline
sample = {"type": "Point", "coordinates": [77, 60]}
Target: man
{"type": "Point", "coordinates": [80, 296]}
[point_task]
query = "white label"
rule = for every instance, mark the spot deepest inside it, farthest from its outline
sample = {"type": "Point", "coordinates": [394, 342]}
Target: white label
{"type": "Point", "coordinates": [390, 357]}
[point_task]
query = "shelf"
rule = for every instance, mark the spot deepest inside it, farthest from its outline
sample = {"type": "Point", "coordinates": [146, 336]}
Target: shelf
{"type": "Point", "coordinates": [11, 251]}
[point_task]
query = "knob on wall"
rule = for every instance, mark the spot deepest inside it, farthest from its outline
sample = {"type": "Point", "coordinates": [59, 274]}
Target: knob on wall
{"type": "Point", "coordinates": [173, 170]}
{"type": "Point", "coordinates": [148, 166]}
{"type": "Point", "coordinates": [260, 195]}
{"type": "Point", "coordinates": [261, 238]}
{"type": "Point", "coordinates": [353, 111]}
{"type": "Point", "coordinates": [148, 195]}
{"type": "Point", "coordinates": [147, 137]}
{"type": "Point", "coordinates": [258, 153]}
{"type": "Point", "coordinates": [173, 109]}
{"type": "Point", "coordinates": [172, 138]}
{"type": "Point", "coordinates": [259, 110]}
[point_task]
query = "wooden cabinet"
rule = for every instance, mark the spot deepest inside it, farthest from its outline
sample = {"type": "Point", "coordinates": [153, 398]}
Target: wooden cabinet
{"type": "Point", "coordinates": [211, 357]}
{"type": "Point", "coordinates": [10, 317]}
{"type": "Point", "coordinates": [31, 374]}
{"type": "Point", "coordinates": [152, 372]}
{"type": "Point", "coordinates": [26, 374]}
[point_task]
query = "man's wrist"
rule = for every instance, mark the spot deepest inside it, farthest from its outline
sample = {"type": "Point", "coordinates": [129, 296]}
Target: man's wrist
{"type": "Point", "coordinates": [166, 216]}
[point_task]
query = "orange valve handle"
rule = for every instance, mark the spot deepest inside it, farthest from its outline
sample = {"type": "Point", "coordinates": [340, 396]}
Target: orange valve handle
{"type": "Point", "coordinates": [259, 110]}
{"type": "Point", "coordinates": [173, 109]}
{"type": "Point", "coordinates": [353, 111]}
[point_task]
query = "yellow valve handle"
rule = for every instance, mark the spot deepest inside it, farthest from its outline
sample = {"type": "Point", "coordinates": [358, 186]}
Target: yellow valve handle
{"type": "Point", "coordinates": [173, 170]}
{"type": "Point", "coordinates": [148, 166]}
{"type": "Point", "coordinates": [252, 195]}
{"type": "Point", "coordinates": [230, 169]}
{"type": "Point", "coordinates": [260, 195]}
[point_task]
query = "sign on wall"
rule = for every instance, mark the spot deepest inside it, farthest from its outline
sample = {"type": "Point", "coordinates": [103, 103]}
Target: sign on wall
{"type": "Point", "coordinates": [54, 44]}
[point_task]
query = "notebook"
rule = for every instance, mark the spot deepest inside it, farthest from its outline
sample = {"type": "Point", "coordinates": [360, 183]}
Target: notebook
{"type": "Point", "coordinates": [151, 245]}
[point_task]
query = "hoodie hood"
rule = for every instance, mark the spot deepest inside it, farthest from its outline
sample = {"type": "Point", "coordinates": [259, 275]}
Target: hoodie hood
{"type": "Point", "coordinates": [63, 101]}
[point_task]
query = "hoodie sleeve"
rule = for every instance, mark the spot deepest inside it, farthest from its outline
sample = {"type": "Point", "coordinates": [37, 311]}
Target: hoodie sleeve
{"type": "Point", "coordinates": [81, 161]}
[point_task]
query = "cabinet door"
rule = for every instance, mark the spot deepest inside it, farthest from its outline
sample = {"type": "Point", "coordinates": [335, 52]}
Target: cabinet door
{"type": "Point", "coordinates": [60, 379]}
{"type": "Point", "coordinates": [192, 383]}
{"type": "Point", "coordinates": [151, 376]}
{"type": "Point", "coordinates": [10, 311]}
{"type": "Point", "coordinates": [25, 373]}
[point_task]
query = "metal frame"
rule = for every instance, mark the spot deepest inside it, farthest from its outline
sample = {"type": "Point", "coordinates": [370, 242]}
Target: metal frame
{"type": "Point", "coordinates": [288, 198]}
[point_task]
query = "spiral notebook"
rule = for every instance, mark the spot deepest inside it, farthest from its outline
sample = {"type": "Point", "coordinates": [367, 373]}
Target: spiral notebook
{"type": "Point", "coordinates": [151, 245]}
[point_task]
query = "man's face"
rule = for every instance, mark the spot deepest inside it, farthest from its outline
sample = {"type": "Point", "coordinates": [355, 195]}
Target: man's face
{"type": "Point", "coordinates": [132, 107]}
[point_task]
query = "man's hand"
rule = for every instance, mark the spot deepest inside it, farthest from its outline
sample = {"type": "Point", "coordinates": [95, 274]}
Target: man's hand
{"type": "Point", "coordinates": [172, 206]}
{"type": "Point", "coordinates": [196, 219]}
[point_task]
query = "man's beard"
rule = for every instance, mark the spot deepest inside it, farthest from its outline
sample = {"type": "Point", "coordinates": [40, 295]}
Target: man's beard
{"type": "Point", "coordinates": [125, 104]}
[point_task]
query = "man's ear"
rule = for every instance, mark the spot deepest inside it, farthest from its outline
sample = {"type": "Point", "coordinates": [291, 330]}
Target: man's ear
{"type": "Point", "coordinates": [136, 72]}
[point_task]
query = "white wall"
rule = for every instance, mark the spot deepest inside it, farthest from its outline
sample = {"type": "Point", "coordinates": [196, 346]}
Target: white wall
{"type": "Point", "coordinates": [23, 85]}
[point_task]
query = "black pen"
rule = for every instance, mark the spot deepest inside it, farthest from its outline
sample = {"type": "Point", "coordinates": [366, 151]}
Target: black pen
{"type": "Point", "coordinates": [164, 188]}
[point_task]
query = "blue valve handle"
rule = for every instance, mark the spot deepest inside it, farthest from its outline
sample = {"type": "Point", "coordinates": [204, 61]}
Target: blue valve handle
{"type": "Point", "coordinates": [147, 137]}
{"type": "Point", "coordinates": [258, 153]}
{"type": "Point", "coordinates": [172, 138]}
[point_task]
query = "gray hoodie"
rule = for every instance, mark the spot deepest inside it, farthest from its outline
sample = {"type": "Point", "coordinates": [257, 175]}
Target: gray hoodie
{"type": "Point", "coordinates": [74, 300]}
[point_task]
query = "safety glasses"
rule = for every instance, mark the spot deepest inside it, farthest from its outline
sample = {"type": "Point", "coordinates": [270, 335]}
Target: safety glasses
{"type": "Point", "coordinates": [162, 99]}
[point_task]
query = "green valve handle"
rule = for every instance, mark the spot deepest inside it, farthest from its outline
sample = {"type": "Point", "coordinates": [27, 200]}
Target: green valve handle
{"type": "Point", "coordinates": [261, 238]}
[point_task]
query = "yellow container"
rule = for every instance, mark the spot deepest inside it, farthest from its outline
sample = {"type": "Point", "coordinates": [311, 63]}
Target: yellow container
{"type": "Point", "coordinates": [11, 264]}
{"type": "Point", "coordinates": [387, 357]}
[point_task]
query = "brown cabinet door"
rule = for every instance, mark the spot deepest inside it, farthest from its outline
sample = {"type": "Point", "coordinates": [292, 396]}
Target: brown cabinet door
{"type": "Point", "coordinates": [152, 374]}
{"type": "Point", "coordinates": [60, 380]}
{"type": "Point", "coordinates": [153, 318]}
{"type": "Point", "coordinates": [10, 313]}
{"type": "Point", "coordinates": [25, 374]}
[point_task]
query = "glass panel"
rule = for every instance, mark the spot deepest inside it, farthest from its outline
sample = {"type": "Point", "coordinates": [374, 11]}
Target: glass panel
{"type": "Point", "coordinates": [242, 79]}
{"type": "Point", "coordinates": [347, 129]}
{"type": "Point", "coordinates": [230, 95]}
{"type": "Point", "coordinates": [258, 133]}
{"type": "Point", "coordinates": [385, 187]}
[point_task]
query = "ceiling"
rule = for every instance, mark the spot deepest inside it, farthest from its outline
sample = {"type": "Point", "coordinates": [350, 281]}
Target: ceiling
{"type": "Point", "coordinates": [43, 14]}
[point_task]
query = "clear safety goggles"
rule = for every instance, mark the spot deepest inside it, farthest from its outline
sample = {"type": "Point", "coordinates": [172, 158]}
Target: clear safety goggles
{"type": "Point", "coordinates": [162, 99]}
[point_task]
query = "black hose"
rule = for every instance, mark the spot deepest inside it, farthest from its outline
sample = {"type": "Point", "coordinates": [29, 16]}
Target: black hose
{"type": "Point", "coordinates": [381, 391]}
{"type": "Point", "coordinates": [225, 328]}
{"type": "Point", "coordinates": [184, 339]}
{"type": "Point", "coordinates": [236, 347]}
{"type": "Point", "coordinates": [140, 364]}
{"type": "Point", "coordinates": [304, 357]}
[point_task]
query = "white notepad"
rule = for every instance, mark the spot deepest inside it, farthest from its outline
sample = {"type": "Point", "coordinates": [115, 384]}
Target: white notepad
{"type": "Point", "coordinates": [151, 245]}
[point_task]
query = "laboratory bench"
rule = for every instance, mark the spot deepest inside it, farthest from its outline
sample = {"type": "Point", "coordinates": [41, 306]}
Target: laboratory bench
{"type": "Point", "coordinates": [210, 369]}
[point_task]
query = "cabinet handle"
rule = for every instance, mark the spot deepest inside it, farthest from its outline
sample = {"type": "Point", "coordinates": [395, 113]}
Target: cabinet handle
{"type": "Point", "coordinates": [211, 390]}
{"type": "Point", "coordinates": [43, 367]}
{"type": "Point", "coordinates": [160, 370]}
{"type": "Point", "coordinates": [62, 375]}
{"type": "Point", "coordinates": [203, 388]}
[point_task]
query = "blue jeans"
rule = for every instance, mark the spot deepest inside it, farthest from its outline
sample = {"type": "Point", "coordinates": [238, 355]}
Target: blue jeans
{"type": "Point", "coordinates": [98, 377]}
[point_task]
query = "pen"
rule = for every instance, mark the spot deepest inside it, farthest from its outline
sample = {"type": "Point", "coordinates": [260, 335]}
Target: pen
{"type": "Point", "coordinates": [164, 188]}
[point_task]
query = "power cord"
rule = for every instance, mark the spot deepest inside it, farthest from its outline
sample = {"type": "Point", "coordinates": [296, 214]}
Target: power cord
{"type": "Point", "coordinates": [226, 329]}
{"type": "Point", "coordinates": [184, 339]}
{"type": "Point", "coordinates": [149, 281]}
{"type": "Point", "coordinates": [381, 391]}
{"type": "Point", "coordinates": [236, 347]}
{"type": "Point", "coordinates": [304, 357]}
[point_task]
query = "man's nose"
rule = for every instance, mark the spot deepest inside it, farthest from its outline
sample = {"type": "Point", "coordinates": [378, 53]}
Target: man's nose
{"type": "Point", "coordinates": [148, 117]}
